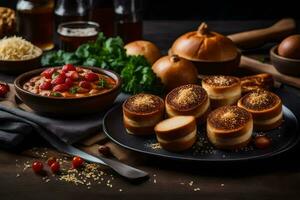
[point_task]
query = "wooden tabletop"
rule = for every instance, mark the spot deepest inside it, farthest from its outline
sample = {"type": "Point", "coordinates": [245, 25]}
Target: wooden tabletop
{"type": "Point", "coordinates": [276, 178]}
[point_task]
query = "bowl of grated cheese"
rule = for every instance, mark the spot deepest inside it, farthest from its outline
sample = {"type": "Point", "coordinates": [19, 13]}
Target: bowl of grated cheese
{"type": "Point", "coordinates": [18, 55]}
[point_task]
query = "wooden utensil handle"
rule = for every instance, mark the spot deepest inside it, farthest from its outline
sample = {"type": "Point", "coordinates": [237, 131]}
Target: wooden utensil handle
{"type": "Point", "coordinates": [257, 66]}
{"type": "Point", "coordinates": [254, 38]}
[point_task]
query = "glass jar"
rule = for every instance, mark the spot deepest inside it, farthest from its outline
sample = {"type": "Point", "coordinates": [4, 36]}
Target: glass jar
{"type": "Point", "coordinates": [35, 22]}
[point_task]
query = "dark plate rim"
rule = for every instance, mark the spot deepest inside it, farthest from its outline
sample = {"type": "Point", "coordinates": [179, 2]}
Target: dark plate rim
{"type": "Point", "coordinates": [293, 142]}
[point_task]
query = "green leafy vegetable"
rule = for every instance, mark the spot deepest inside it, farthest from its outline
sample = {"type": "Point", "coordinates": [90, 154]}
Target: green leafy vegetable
{"type": "Point", "coordinates": [73, 90]}
{"type": "Point", "coordinates": [109, 53]}
{"type": "Point", "coordinates": [102, 83]}
{"type": "Point", "coordinates": [56, 94]}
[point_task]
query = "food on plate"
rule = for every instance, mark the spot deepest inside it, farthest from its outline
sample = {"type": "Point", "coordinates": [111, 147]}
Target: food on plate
{"type": "Point", "coordinates": [262, 142]}
{"type": "Point", "coordinates": [144, 48]}
{"type": "Point", "coordinates": [142, 112]}
{"type": "Point", "coordinates": [4, 89]}
{"type": "Point", "coordinates": [77, 162]}
{"type": "Point", "coordinates": [69, 81]}
{"type": "Point", "coordinates": [178, 133]}
{"type": "Point", "coordinates": [229, 127]}
{"type": "Point", "coordinates": [109, 53]}
{"type": "Point", "coordinates": [16, 48]}
{"type": "Point", "coordinates": [7, 21]}
{"type": "Point", "coordinates": [255, 82]}
{"type": "Point", "coordinates": [174, 71]}
{"type": "Point", "coordinates": [204, 45]}
{"type": "Point", "coordinates": [222, 90]}
{"type": "Point", "coordinates": [265, 107]}
{"type": "Point", "coordinates": [290, 47]}
{"type": "Point", "coordinates": [188, 100]}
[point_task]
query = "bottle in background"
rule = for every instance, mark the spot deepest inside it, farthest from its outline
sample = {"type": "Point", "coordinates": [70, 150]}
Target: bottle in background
{"type": "Point", "coordinates": [102, 12]}
{"type": "Point", "coordinates": [128, 20]}
{"type": "Point", "coordinates": [70, 10]}
{"type": "Point", "coordinates": [35, 22]}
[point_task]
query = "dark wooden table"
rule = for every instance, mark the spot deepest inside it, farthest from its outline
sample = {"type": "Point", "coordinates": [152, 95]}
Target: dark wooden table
{"type": "Point", "coordinates": [276, 178]}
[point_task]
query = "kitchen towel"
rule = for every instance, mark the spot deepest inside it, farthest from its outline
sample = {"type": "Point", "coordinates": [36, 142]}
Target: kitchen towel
{"type": "Point", "coordinates": [17, 124]}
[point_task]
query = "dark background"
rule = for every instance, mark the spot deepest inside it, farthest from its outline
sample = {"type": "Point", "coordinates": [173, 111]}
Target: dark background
{"type": "Point", "coordinates": [211, 9]}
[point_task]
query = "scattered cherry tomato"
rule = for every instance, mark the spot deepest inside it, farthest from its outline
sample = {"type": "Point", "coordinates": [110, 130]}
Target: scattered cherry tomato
{"type": "Point", "coordinates": [37, 166]}
{"type": "Point", "coordinates": [61, 88]}
{"type": "Point", "coordinates": [4, 88]}
{"type": "Point", "coordinates": [60, 79]}
{"type": "Point", "coordinates": [104, 150]}
{"type": "Point", "coordinates": [85, 84]}
{"type": "Point", "coordinates": [48, 73]}
{"type": "Point", "coordinates": [77, 162]}
{"type": "Point", "coordinates": [55, 167]}
{"type": "Point", "coordinates": [46, 85]}
{"type": "Point", "coordinates": [262, 142]}
{"type": "Point", "coordinates": [69, 82]}
{"type": "Point", "coordinates": [50, 161]}
{"type": "Point", "coordinates": [68, 67]}
{"type": "Point", "coordinates": [73, 75]}
{"type": "Point", "coordinates": [91, 77]}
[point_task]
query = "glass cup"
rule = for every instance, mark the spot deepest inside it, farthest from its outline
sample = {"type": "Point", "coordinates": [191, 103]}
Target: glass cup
{"type": "Point", "coordinates": [75, 33]}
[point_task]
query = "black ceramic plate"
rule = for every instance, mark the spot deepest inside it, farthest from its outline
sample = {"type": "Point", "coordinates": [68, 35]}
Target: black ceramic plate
{"type": "Point", "coordinates": [283, 139]}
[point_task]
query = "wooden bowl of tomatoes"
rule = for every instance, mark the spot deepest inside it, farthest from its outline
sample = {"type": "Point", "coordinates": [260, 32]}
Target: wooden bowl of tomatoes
{"type": "Point", "coordinates": [68, 90]}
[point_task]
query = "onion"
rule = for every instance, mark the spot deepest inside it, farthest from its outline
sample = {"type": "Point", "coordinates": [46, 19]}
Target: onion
{"type": "Point", "coordinates": [175, 71]}
{"type": "Point", "coordinates": [145, 48]}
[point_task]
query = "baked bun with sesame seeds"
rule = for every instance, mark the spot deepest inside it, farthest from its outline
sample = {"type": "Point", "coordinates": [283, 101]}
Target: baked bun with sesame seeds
{"type": "Point", "coordinates": [142, 112]}
{"type": "Point", "coordinates": [222, 90]}
{"type": "Point", "coordinates": [265, 107]}
{"type": "Point", "coordinates": [188, 100]}
{"type": "Point", "coordinates": [229, 127]}
{"type": "Point", "coordinates": [177, 133]}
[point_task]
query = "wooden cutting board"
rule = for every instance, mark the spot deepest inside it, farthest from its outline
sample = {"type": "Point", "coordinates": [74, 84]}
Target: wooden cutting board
{"type": "Point", "coordinates": [259, 67]}
{"type": "Point", "coordinates": [258, 37]}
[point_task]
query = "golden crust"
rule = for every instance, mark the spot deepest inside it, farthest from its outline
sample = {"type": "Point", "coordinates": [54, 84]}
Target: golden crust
{"type": "Point", "coordinates": [261, 104]}
{"type": "Point", "coordinates": [178, 145]}
{"type": "Point", "coordinates": [177, 133]}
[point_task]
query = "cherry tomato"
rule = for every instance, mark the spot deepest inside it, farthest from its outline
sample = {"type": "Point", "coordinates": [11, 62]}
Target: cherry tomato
{"type": "Point", "coordinates": [50, 161]}
{"type": "Point", "coordinates": [68, 67]}
{"type": "Point", "coordinates": [73, 75]}
{"type": "Point", "coordinates": [61, 88]}
{"type": "Point", "coordinates": [37, 166]}
{"type": "Point", "coordinates": [85, 84]}
{"type": "Point", "coordinates": [46, 85]}
{"type": "Point", "coordinates": [262, 142]}
{"type": "Point", "coordinates": [69, 82]}
{"type": "Point", "coordinates": [77, 162]}
{"type": "Point", "coordinates": [48, 73]}
{"type": "Point", "coordinates": [55, 167]}
{"type": "Point", "coordinates": [91, 77]}
{"type": "Point", "coordinates": [4, 88]}
{"type": "Point", "coordinates": [60, 79]}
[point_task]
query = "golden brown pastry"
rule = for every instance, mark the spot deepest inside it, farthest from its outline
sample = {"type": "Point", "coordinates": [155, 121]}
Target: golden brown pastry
{"type": "Point", "coordinates": [142, 112]}
{"type": "Point", "coordinates": [178, 133]}
{"type": "Point", "coordinates": [7, 21]}
{"type": "Point", "coordinates": [188, 100]}
{"type": "Point", "coordinates": [222, 90]}
{"type": "Point", "coordinates": [265, 107]}
{"type": "Point", "coordinates": [255, 82]}
{"type": "Point", "coordinates": [204, 45]}
{"type": "Point", "coordinates": [229, 127]}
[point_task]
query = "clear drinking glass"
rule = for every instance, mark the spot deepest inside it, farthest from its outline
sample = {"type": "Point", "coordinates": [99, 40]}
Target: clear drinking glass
{"type": "Point", "coordinates": [73, 34]}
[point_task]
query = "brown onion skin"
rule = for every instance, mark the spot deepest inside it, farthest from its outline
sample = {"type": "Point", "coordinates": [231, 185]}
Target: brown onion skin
{"type": "Point", "coordinates": [144, 48]}
{"type": "Point", "coordinates": [290, 47]}
{"type": "Point", "coordinates": [175, 71]}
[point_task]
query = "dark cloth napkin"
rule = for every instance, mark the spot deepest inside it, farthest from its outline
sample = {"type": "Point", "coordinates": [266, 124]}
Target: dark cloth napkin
{"type": "Point", "coordinates": [17, 124]}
